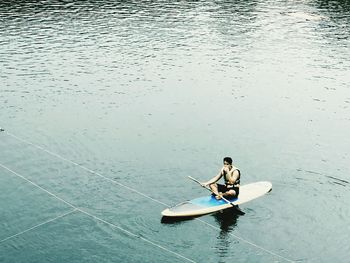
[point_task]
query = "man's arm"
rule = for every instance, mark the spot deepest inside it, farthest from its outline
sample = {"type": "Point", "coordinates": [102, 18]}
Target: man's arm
{"type": "Point", "coordinates": [234, 176]}
{"type": "Point", "coordinates": [214, 179]}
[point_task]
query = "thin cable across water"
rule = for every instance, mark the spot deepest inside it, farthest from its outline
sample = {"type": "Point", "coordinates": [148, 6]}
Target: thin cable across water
{"type": "Point", "coordinates": [88, 214]}
{"type": "Point", "coordinates": [140, 193]}
{"type": "Point", "coordinates": [38, 225]}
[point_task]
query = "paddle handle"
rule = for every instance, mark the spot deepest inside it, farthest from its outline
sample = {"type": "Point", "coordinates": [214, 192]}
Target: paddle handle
{"type": "Point", "coordinates": [193, 179]}
{"type": "Point", "coordinates": [208, 188]}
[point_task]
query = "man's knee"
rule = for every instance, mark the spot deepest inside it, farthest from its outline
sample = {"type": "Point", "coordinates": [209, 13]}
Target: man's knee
{"type": "Point", "coordinates": [231, 192]}
{"type": "Point", "coordinates": [213, 185]}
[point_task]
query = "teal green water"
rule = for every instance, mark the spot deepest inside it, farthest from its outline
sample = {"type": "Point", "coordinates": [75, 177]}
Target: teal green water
{"type": "Point", "coordinates": [145, 93]}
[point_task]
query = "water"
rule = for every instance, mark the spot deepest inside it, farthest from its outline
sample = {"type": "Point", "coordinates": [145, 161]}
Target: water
{"type": "Point", "coordinates": [145, 93]}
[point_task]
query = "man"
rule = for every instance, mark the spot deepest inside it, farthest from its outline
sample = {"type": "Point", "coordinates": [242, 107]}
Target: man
{"type": "Point", "coordinates": [232, 178]}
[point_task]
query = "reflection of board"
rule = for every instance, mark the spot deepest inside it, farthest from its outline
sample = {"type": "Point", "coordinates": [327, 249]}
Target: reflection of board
{"type": "Point", "coordinates": [209, 204]}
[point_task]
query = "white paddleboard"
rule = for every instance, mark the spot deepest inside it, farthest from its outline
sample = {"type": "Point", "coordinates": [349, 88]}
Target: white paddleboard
{"type": "Point", "coordinates": [209, 204]}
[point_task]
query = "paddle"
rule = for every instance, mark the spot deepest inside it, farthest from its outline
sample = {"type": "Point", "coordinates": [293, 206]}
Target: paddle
{"type": "Point", "coordinates": [223, 198]}
{"type": "Point", "coordinates": [206, 187]}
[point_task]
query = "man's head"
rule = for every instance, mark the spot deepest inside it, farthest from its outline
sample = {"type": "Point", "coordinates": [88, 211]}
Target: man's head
{"type": "Point", "coordinates": [227, 161]}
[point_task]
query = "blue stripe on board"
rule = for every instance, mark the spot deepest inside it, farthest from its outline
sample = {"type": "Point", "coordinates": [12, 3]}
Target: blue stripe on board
{"type": "Point", "coordinates": [209, 201]}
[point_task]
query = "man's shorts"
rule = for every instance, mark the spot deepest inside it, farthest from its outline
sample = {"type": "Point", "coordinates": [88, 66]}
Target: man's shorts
{"type": "Point", "coordinates": [223, 188]}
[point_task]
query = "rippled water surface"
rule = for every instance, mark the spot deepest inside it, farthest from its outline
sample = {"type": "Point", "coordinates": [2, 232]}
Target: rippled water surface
{"type": "Point", "coordinates": [108, 106]}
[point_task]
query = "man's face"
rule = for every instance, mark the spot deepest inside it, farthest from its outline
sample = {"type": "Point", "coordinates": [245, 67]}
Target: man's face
{"type": "Point", "coordinates": [227, 165]}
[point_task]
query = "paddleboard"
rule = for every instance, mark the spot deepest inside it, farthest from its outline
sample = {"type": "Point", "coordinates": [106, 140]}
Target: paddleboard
{"type": "Point", "coordinates": [209, 204]}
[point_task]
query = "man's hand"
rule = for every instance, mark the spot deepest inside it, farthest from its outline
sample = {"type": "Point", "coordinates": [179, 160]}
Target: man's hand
{"type": "Point", "coordinates": [219, 196]}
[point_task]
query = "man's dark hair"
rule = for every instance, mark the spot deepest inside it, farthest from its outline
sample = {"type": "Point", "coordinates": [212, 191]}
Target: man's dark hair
{"type": "Point", "coordinates": [228, 159]}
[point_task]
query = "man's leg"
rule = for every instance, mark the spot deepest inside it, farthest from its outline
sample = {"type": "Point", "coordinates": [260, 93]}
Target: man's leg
{"type": "Point", "coordinates": [215, 190]}
{"type": "Point", "coordinates": [230, 193]}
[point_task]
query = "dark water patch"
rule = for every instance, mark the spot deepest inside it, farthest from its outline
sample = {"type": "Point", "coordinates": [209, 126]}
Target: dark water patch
{"type": "Point", "coordinates": [309, 171]}
{"type": "Point", "coordinates": [227, 219]}
{"type": "Point", "coordinates": [339, 181]}
{"type": "Point", "coordinates": [176, 220]}
{"type": "Point", "coordinates": [335, 180]}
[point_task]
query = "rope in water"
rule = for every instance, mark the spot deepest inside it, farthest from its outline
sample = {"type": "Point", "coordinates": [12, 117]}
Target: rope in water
{"type": "Point", "coordinates": [86, 213]}
{"type": "Point", "coordinates": [140, 193]}
{"type": "Point", "coordinates": [248, 242]}
{"type": "Point", "coordinates": [85, 168]}
{"type": "Point", "coordinates": [36, 226]}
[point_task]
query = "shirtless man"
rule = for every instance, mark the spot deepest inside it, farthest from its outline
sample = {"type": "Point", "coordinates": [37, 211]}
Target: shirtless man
{"type": "Point", "coordinates": [232, 178]}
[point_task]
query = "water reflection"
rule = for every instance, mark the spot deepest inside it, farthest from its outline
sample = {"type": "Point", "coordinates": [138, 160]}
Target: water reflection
{"type": "Point", "coordinates": [227, 220]}
{"type": "Point", "coordinates": [176, 220]}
